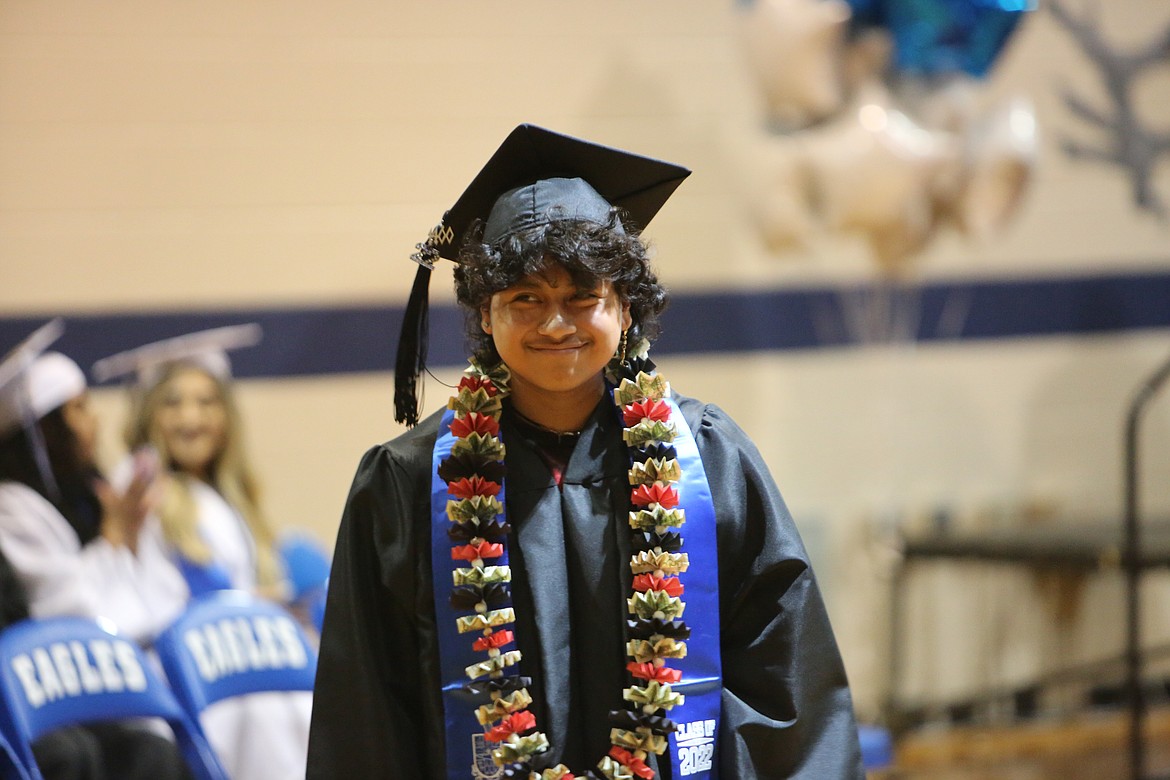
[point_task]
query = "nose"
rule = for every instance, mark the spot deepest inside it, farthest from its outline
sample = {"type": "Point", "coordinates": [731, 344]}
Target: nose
{"type": "Point", "coordinates": [190, 413]}
{"type": "Point", "coordinates": [558, 323]}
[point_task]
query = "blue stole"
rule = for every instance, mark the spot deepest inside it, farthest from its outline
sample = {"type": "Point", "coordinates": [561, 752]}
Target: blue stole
{"type": "Point", "coordinates": [692, 748]}
{"type": "Point", "coordinates": [466, 747]}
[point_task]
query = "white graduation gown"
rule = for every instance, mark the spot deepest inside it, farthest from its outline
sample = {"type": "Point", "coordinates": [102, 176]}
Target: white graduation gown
{"type": "Point", "coordinates": [260, 737]}
{"type": "Point", "coordinates": [264, 736]}
{"type": "Point", "coordinates": [140, 593]}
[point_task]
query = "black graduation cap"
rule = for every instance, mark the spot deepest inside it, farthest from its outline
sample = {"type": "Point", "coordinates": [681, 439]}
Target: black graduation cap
{"type": "Point", "coordinates": [535, 176]}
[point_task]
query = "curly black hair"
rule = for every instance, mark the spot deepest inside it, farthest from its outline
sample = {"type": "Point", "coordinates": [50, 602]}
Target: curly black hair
{"type": "Point", "coordinates": [589, 251]}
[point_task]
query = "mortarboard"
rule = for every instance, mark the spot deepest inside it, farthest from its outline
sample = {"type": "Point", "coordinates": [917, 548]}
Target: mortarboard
{"type": "Point", "coordinates": [534, 177]}
{"type": "Point", "coordinates": [206, 349]}
{"type": "Point", "coordinates": [33, 383]}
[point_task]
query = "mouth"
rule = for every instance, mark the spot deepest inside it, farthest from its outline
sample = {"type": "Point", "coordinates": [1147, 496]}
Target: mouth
{"type": "Point", "coordinates": [558, 348]}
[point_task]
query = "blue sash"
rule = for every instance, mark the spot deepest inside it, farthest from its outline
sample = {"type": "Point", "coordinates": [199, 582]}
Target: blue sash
{"type": "Point", "coordinates": [466, 747]}
{"type": "Point", "coordinates": [691, 748]}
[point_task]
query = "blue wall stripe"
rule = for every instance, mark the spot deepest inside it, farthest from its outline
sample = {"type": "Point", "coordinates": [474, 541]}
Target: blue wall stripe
{"type": "Point", "coordinates": [305, 341]}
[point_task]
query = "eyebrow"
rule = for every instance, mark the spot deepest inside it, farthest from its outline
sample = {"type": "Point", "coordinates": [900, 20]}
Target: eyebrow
{"type": "Point", "coordinates": [534, 282]}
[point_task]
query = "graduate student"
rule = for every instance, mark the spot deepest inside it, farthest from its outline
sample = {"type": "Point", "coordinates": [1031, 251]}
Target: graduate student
{"type": "Point", "coordinates": [572, 570]}
{"type": "Point", "coordinates": [183, 407]}
{"type": "Point", "coordinates": [70, 544]}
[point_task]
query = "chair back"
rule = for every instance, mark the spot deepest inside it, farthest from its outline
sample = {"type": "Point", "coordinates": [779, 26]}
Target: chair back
{"type": "Point", "coordinates": [306, 563]}
{"type": "Point", "coordinates": [230, 643]}
{"type": "Point", "coordinates": [314, 604]}
{"type": "Point", "coordinates": [11, 767]}
{"type": "Point", "coordinates": [65, 671]}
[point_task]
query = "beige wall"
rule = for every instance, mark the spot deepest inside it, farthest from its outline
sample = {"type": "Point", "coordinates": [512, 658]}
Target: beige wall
{"type": "Point", "coordinates": [159, 156]}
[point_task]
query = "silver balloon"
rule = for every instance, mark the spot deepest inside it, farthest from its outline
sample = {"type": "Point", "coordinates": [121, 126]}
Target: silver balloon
{"type": "Point", "coordinates": [793, 48]}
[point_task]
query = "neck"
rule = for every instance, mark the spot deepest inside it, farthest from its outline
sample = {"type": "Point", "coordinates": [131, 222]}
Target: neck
{"type": "Point", "coordinates": [203, 475]}
{"type": "Point", "coordinates": [561, 412]}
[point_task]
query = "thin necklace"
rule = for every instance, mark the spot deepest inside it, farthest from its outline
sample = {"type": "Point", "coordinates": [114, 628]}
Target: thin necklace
{"type": "Point", "coordinates": [538, 426]}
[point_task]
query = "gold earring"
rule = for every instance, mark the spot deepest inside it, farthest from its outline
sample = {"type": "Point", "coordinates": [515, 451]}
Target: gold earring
{"type": "Point", "coordinates": [622, 348]}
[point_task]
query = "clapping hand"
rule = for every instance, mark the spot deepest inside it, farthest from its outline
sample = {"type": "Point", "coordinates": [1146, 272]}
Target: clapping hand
{"type": "Point", "coordinates": [123, 513]}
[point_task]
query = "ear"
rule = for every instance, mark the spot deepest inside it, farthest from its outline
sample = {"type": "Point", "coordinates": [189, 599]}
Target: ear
{"type": "Point", "coordinates": [627, 320]}
{"type": "Point", "coordinates": [485, 320]}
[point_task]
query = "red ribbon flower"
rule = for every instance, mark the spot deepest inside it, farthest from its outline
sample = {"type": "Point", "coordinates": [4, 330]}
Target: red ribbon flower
{"type": "Point", "coordinates": [473, 383]}
{"type": "Point", "coordinates": [641, 410]}
{"type": "Point", "coordinates": [635, 765]}
{"type": "Point", "coordinates": [645, 582]}
{"type": "Point", "coordinates": [473, 486]}
{"type": "Point", "coordinates": [665, 496]}
{"type": "Point", "coordinates": [474, 422]}
{"type": "Point", "coordinates": [493, 640]}
{"type": "Point", "coordinates": [469, 552]}
{"type": "Point", "coordinates": [516, 723]}
{"type": "Point", "coordinates": [648, 671]}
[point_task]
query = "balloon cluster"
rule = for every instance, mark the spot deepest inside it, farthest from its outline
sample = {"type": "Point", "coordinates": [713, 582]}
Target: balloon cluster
{"type": "Point", "coordinates": [874, 121]}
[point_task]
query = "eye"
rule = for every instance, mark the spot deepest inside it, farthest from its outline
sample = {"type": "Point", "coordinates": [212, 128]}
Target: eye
{"type": "Point", "coordinates": [587, 296]}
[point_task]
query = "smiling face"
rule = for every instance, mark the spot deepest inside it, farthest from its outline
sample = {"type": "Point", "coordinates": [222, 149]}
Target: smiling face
{"type": "Point", "coordinates": [556, 338]}
{"type": "Point", "coordinates": [191, 421]}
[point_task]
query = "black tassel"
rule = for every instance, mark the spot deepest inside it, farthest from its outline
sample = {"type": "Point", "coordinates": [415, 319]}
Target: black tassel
{"type": "Point", "coordinates": [412, 350]}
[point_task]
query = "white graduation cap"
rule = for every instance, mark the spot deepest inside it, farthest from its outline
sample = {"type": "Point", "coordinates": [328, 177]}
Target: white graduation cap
{"type": "Point", "coordinates": [206, 349]}
{"type": "Point", "coordinates": [33, 383]}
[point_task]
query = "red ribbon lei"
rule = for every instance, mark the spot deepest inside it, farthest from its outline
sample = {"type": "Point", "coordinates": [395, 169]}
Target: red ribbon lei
{"type": "Point", "coordinates": [648, 409]}
{"type": "Point", "coordinates": [645, 582]}
{"type": "Point", "coordinates": [665, 496]}
{"type": "Point", "coordinates": [493, 641]}
{"type": "Point", "coordinates": [516, 723]}
{"type": "Point", "coordinates": [648, 671]}
{"type": "Point", "coordinates": [474, 422]}
{"type": "Point", "coordinates": [631, 762]}
{"type": "Point", "coordinates": [469, 552]}
{"type": "Point", "coordinates": [473, 486]}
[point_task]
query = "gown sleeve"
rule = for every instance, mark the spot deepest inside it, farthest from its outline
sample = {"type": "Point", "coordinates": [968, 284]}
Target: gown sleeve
{"type": "Point", "coordinates": [787, 711]}
{"type": "Point", "coordinates": [140, 593]}
{"type": "Point", "coordinates": [376, 712]}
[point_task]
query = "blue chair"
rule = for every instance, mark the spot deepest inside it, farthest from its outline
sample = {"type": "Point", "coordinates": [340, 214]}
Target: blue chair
{"type": "Point", "coordinates": [11, 767]}
{"type": "Point", "coordinates": [230, 643]}
{"type": "Point", "coordinates": [64, 671]}
{"type": "Point", "coordinates": [314, 604]}
{"type": "Point", "coordinates": [877, 747]}
{"type": "Point", "coordinates": [305, 561]}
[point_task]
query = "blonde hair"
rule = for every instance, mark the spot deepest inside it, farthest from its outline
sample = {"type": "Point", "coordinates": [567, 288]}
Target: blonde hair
{"type": "Point", "coordinates": [230, 474]}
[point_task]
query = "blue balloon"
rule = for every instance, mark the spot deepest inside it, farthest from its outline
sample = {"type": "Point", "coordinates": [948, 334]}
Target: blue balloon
{"type": "Point", "coordinates": [866, 13]}
{"type": "Point", "coordinates": [934, 37]}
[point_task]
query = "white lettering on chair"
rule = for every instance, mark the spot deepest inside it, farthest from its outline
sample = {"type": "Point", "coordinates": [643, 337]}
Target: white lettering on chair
{"type": "Point", "coordinates": [63, 670]}
{"type": "Point", "coordinates": [237, 645]}
{"type": "Point", "coordinates": [22, 665]}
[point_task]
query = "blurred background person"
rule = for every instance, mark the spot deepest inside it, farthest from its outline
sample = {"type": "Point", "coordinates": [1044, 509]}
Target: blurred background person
{"type": "Point", "coordinates": [182, 407]}
{"type": "Point", "coordinates": [72, 545]}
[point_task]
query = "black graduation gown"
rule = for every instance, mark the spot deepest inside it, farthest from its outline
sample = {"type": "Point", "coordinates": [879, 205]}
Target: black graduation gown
{"type": "Point", "coordinates": [786, 709]}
